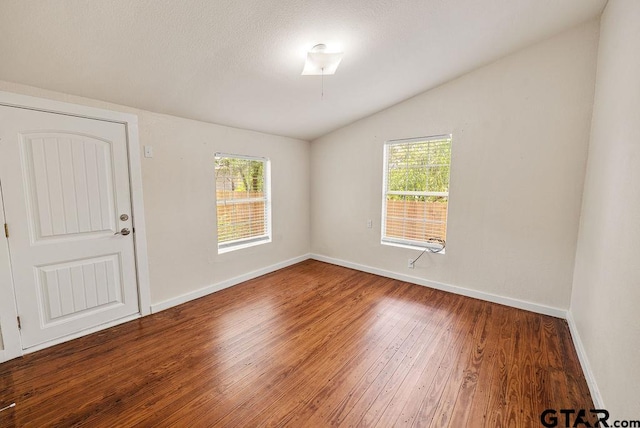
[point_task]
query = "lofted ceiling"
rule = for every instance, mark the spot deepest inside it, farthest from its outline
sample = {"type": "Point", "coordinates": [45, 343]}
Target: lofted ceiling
{"type": "Point", "coordinates": [238, 62]}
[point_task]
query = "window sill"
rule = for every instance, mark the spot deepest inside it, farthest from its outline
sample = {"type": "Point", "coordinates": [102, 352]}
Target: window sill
{"type": "Point", "coordinates": [417, 246]}
{"type": "Point", "coordinates": [239, 245]}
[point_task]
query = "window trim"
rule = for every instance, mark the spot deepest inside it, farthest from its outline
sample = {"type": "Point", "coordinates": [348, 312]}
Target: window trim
{"type": "Point", "coordinates": [399, 242]}
{"type": "Point", "coordinates": [252, 241]}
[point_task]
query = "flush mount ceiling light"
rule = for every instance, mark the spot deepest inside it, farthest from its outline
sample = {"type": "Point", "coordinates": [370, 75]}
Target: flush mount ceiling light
{"type": "Point", "coordinates": [320, 62]}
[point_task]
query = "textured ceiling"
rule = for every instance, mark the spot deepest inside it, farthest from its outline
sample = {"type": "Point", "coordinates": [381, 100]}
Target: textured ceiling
{"type": "Point", "coordinates": [238, 62]}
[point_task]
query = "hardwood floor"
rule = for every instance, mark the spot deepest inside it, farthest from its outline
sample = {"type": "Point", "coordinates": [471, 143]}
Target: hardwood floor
{"type": "Point", "coordinates": [310, 345]}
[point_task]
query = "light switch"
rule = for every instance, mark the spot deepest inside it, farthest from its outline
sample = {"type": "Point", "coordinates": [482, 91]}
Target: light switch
{"type": "Point", "coordinates": [148, 151]}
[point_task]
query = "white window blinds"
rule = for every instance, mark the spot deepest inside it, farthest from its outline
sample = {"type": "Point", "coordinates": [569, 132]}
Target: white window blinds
{"type": "Point", "coordinates": [243, 205]}
{"type": "Point", "coordinates": [416, 191]}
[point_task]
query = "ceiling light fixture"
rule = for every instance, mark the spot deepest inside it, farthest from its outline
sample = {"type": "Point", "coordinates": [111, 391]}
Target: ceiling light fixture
{"type": "Point", "coordinates": [320, 62]}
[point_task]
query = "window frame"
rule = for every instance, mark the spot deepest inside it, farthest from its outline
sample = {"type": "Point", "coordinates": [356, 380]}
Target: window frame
{"type": "Point", "coordinates": [400, 242]}
{"type": "Point", "coordinates": [251, 241]}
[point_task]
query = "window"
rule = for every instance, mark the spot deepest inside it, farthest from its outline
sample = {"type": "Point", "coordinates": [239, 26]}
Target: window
{"type": "Point", "coordinates": [416, 192]}
{"type": "Point", "coordinates": [243, 202]}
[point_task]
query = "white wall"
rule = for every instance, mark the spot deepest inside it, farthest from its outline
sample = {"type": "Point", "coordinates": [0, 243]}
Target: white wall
{"type": "Point", "coordinates": [605, 301]}
{"type": "Point", "coordinates": [520, 133]}
{"type": "Point", "coordinates": [179, 197]}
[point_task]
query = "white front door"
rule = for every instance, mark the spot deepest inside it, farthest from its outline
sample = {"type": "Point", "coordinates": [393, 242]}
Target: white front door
{"type": "Point", "coordinates": [65, 183]}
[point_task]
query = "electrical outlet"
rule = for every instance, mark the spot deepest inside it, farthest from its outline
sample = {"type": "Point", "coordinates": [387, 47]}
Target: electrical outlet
{"type": "Point", "coordinates": [369, 224]}
{"type": "Point", "coordinates": [411, 264]}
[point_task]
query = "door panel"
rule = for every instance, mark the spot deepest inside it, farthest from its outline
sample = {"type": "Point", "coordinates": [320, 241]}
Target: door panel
{"type": "Point", "coordinates": [69, 184]}
{"type": "Point", "coordinates": [65, 182]}
{"type": "Point", "coordinates": [79, 288]}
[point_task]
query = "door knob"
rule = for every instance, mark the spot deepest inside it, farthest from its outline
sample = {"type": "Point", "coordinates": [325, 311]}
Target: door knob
{"type": "Point", "coordinates": [124, 232]}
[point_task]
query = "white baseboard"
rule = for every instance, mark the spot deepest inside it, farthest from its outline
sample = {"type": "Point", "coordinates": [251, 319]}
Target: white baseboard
{"type": "Point", "coordinates": [184, 298]}
{"type": "Point", "coordinates": [507, 301]}
{"type": "Point", "coordinates": [584, 363]}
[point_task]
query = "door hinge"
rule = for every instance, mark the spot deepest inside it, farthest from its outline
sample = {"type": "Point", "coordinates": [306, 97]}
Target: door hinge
{"type": "Point", "coordinates": [19, 324]}
{"type": "Point", "coordinates": [6, 230]}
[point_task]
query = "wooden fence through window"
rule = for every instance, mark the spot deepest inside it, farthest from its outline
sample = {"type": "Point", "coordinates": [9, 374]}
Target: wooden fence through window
{"type": "Point", "coordinates": [416, 220]}
{"type": "Point", "coordinates": [238, 220]}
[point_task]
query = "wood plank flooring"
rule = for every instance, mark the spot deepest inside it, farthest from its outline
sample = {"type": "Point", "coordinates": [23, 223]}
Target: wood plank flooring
{"type": "Point", "coordinates": [311, 345]}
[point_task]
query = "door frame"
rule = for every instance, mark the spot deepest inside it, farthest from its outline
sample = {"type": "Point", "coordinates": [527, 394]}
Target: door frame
{"type": "Point", "coordinates": [8, 324]}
